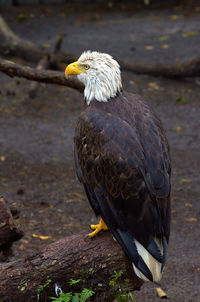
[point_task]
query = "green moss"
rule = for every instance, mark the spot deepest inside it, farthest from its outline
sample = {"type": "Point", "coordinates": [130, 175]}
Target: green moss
{"type": "Point", "coordinates": [86, 274]}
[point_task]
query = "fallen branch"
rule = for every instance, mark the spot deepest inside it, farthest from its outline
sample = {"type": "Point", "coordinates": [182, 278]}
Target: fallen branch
{"type": "Point", "coordinates": [11, 44]}
{"type": "Point", "coordinates": [188, 68]}
{"type": "Point", "coordinates": [9, 232]}
{"type": "Point", "coordinates": [78, 257]}
{"type": "Point", "coordinates": [45, 76]}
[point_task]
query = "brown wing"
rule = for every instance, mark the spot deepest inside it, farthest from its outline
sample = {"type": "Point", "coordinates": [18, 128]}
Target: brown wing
{"type": "Point", "coordinates": [124, 166]}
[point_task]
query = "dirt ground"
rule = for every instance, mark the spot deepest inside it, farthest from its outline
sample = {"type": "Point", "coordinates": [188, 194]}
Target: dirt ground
{"type": "Point", "coordinates": [36, 138]}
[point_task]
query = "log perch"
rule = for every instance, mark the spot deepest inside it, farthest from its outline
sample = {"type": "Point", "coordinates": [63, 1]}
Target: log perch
{"type": "Point", "coordinates": [77, 257]}
{"type": "Point", "coordinates": [9, 232]}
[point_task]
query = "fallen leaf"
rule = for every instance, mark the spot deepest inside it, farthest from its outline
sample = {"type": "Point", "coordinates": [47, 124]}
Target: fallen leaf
{"type": "Point", "coordinates": [76, 195]}
{"type": "Point", "coordinates": [98, 17]}
{"type": "Point", "coordinates": [163, 38]}
{"type": "Point", "coordinates": [22, 247]}
{"type": "Point", "coordinates": [149, 47]}
{"type": "Point", "coordinates": [41, 237]}
{"type": "Point", "coordinates": [181, 99]}
{"type": "Point", "coordinates": [22, 17]}
{"type": "Point", "coordinates": [164, 46]}
{"type": "Point", "coordinates": [189, 34]}
{"type": "Point", "coordinates": [174, 17]}
{"type": "Point", "coordinates": [132, 37]}
{"type": "Point", "coordinates": [178, 128]}
{"type": "Point", "coordinates": [46, 45]}
{"type": "Point", "coordinates": [191, 219]}
{"type": "Point", "coordinates": [153, 85]}
{"type": "Point", "coordinates": [55, 158]}
{"type": "Point", "coordinates": [188, 204]}
{"type": "Point", "coordinates": [110, 4]}
{"type": "Point", "coordinates": [161, 294]}
{"type": "Point", "coordinates": [185, 180]}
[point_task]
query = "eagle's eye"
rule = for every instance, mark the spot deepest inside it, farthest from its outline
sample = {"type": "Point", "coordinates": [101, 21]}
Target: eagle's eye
{"type": "Point", "coordinates": [86, 67]}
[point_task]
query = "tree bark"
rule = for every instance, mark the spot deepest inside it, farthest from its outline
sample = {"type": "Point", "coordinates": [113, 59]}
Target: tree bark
{"type": "Point", "coordinates": [45, 76]}
{"type": "Point", "coordinates": [187, 68]}
{"type": "Point", "coordinates": [9, 232]}
{"type": "Point", "coordinates": [93, 261]}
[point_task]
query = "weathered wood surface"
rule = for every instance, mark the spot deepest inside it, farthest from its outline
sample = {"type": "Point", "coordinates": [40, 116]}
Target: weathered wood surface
{"type": "Point", "coordinates": [78, 257]}
{"type": "Point", "coordinates": [44, 76]}
{"type": "Point", "coordinates": [9, 232]}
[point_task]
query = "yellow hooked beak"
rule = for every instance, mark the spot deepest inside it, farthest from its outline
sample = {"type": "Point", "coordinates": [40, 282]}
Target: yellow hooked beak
{"type": "Point", "coordinates": [73, 68]}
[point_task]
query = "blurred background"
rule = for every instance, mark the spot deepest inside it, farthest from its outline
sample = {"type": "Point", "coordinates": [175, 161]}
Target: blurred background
{"type": "Point", "coordinates": [153, 41]}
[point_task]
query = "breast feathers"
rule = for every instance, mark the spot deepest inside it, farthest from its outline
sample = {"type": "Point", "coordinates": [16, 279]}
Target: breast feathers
{"type": "Point", "coordinates": [122, 159]}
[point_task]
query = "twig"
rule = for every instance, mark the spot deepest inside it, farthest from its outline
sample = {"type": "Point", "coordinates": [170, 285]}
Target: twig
{"type": "Point", "coordinates": [42, 65]}
{"type": "Point", "coordinates": [58, 43]}
{"type": "Point", "coordinates": [45, 63]}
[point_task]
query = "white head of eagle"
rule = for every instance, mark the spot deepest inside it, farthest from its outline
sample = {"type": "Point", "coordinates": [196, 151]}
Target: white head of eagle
{"type": "Point", "coordinates": [100, 74]}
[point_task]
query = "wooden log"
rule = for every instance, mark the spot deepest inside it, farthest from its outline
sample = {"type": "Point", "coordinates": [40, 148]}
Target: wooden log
{"type": "Point", "coordinates": [44, 76]}
{"type": "Point", "coordinates": [9, 232]}
{"type": "Point", "coordinates": [93, 261]}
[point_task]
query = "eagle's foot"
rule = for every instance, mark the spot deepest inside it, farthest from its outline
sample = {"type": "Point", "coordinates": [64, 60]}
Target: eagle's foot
{"type": "Point", "coordinates": [98, 227]}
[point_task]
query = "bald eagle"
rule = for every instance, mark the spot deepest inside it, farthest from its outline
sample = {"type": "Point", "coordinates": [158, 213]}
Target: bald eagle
{"type": "Point", "coordinates": [122, 159]}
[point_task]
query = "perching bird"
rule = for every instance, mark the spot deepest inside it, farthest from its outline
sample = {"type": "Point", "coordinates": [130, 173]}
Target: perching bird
{"type": "Point", "coordinates": [122, 160]}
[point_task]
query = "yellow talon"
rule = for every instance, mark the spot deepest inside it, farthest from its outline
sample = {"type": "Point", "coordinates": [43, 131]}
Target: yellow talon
{"type": "Point", "coordinates": [98, 227]}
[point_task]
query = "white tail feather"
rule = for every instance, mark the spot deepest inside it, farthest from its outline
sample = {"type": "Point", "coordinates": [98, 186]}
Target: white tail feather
{"type": "Point", "coordinates": [139, 273]}
{"type": "Point", "coordinates": [153, 265]}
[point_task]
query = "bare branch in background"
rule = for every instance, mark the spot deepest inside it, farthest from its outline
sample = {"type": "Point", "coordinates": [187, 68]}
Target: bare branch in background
{"type": "Point", "coordinates": [45, 76]}
{"type": "Point", "coordinates": [11, 44]}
